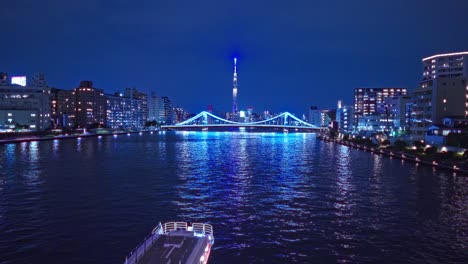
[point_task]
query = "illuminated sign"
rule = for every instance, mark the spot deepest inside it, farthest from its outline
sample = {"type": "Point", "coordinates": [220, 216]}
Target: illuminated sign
{"type": "Point", "coordinates": [19, 80]}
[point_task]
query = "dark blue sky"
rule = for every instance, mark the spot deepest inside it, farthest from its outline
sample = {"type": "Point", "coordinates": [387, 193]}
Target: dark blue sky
{"type": "Point", "coordinates": [292, 54]}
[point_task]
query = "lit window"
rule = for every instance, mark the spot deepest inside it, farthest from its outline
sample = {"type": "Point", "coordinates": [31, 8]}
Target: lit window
{"type": "Point", "coordinates": [33, 114]}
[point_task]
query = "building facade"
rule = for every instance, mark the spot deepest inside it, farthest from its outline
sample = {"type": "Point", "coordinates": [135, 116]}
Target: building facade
{"type": "Point", "coordinates": [395, 113]}
{"type": "Point", "coordinates": [314, 116]}
{"type": "Point", "coordinates": [442, 92]}
{"type": "Point", "coordinates": [344, 117]}
{"type": "Point", "coordinates": [371, 102]}
{"type": "Point", "coordinates": [180, 115]}
{"type": "Point", "coordinates": [90, 106]}
{"type": "Point", "coordinates": [153, 107]}
{"type": "Point", "coordinates": [126, 111]}
{"type": "Point", "coordinates": [320, 117]}
{"type": "Point", "coordinates": [63, 108]}
{"type": "Point", "coordinates": [24, 103]}
{"type": "Point", "coordinates": [166, 112]}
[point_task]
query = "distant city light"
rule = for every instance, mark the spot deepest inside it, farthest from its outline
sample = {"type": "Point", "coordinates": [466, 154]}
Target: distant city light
{"type": "Point", "coordinates": [19, 80]}
{"type": "Point", "coordinates": [242, 113]}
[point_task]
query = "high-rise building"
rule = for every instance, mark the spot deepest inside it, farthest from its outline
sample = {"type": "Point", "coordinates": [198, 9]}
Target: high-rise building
{"type": "Point", "coordinates": [314, 116]}
{"type": "Point", "coordinates": [166, 113]}
{"type": "Point", "coordinates": [368, 100]}
{"type": "Point", "coordinates": [153, 107]}
{"type": "Point", "coordinates": [390, 116]}
{"type": "Point", "coordinates": [25, 102]}
{"type": "Point", "coordinates": [63, 108]}
{"type": "Point", "coordinates": [320, 117]}
{"type": "Point", "coordinates": [116, 111]}
{"type": "Point", "coordinates": [442, 92]}
{"type": "Point", "coordinates": [179, 115]}
{"type": "Point", "coordinates": [133, 93]}
{"type": "Point", "coordinates": [344, 117]}
{"type": "Point", "coordinates": [394, 112]}
{"type": "Point", "coordinates": [267, 115]}
{"type": "Point", "coordinates": [90, 106]}
{"type": "Point", "coordinates": [124, 110]}
{"type": "Point", "coordinates": [234, 89]}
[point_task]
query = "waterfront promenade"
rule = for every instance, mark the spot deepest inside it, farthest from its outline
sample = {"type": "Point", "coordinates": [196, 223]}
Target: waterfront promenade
{"type": "Point", "coordinates": [458, 167]}
{"type": "Point", "coordinates": [68, 136]}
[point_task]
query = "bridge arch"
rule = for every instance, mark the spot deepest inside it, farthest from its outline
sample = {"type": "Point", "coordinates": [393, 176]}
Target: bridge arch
{"type": "Point", "coordinates": [201, 121]}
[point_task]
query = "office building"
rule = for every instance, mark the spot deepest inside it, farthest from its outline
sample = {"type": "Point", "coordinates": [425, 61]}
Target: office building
{"type": "Point", "coordinates": [370, 101]}
{"type": "Point", "coordinates": [24, 103]}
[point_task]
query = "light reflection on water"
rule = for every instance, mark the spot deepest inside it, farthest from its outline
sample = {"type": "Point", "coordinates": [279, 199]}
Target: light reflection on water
{"type": "Point", "coordinates": [272, 198]}
{"type": "Point", "coordinates": [55, 146]}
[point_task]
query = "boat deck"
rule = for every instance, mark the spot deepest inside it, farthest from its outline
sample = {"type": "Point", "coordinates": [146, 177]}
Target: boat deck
{"type": "Point", "coordinates": [176, 247]}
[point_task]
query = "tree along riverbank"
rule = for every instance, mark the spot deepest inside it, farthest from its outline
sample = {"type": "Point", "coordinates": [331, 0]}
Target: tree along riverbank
{"type": "Point", "coordinates": [418, 153]}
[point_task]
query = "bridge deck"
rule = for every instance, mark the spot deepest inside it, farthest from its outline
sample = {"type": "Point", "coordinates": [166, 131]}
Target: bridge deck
{"type": "Point", "coordinates": [246, 126]}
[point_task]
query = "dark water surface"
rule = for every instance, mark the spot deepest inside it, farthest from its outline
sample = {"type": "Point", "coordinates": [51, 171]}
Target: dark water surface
{"type": "Point", "coordinates": [272, 198]}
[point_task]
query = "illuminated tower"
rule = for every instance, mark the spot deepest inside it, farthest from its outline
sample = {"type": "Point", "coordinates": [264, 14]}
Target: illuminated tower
{"type": "Point", "coordinates": [234, 88]}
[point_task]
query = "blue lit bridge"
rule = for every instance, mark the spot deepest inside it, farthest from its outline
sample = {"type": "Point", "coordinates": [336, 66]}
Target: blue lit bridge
{"type": "Point", "coordinates": [205, 121]}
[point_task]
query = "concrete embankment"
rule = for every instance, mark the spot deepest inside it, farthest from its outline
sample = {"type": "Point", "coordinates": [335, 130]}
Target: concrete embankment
{"type": "Point", "coordinates": [59, 137]}
{"type": "Point", "coordinates": [400, 155]}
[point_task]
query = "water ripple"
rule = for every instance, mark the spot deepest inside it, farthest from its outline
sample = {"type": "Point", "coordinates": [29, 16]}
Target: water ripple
{"type": "Point", "coordinates": [272, 198]}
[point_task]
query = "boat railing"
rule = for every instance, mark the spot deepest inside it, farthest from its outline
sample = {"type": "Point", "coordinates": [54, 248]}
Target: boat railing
{"type": "Point", "coordinates": [198, 229]}
{"type": "Point", "coordinates": [141, 249]}
{"type": "Point", "coordinates": [172, 226]}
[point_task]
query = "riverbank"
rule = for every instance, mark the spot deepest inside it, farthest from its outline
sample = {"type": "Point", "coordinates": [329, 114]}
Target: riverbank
{"type": "Point", "coordinates": [402, 155]}
{"type": "Point", "coordinates": [67, 136]}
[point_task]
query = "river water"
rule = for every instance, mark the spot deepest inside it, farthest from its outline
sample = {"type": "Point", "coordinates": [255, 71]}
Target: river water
{"type": "Point", "coordinates": [272, 198]}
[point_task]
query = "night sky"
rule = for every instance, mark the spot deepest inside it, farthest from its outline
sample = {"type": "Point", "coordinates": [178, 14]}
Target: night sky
{"type": "Point", "coordinates": [292, 54]}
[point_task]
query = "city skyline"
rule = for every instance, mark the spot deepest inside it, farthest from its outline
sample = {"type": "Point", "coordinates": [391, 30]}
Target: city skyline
{"type": "Point", "coordinates": [306, 49]}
